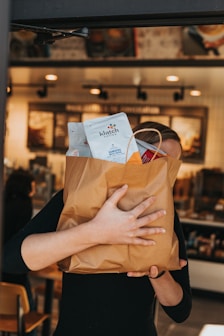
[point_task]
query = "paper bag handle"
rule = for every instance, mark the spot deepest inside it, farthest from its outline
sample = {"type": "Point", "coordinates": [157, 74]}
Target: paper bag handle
{"type": "Point", "coordinates": [146, 130]}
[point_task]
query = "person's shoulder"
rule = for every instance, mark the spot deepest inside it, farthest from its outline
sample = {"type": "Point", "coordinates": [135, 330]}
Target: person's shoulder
{"type": "Point", "coordinates": [58, 195]}
{"type": "Point", "coordinates": [59, 192]}
{"type": "Point", "coordinates": [55, 204]}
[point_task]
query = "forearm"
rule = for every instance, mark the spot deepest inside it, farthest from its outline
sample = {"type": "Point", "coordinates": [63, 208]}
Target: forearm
{"type": "Point", "coordinates": [44, 249]}
{"type": "Point", "coordinates": [167, 290]}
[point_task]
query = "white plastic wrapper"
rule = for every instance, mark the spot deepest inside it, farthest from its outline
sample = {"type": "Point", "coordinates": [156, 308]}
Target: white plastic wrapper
{"type": "Point", "coordinates": [78, 145]}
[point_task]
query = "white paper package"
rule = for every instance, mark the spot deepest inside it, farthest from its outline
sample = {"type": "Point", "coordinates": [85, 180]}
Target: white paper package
{"type": "Point", "coordinates": [109, 137]}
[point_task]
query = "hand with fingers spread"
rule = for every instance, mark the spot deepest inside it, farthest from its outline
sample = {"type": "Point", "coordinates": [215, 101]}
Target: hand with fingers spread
{"type": "Point", "coordinates": [126, 227]}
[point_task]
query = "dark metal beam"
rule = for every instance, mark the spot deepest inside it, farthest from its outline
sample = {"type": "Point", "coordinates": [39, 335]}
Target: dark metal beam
{"type": "Point", "coordinates": [117, 13]}
{"type": "Point", "coordinates": [4, 19]}
{"type": "Point", "coordinates": [119, 63]}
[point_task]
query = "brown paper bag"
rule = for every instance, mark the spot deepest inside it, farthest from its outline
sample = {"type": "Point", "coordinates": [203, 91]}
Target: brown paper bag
{"type": "Point", "coordinates": [89, 182]}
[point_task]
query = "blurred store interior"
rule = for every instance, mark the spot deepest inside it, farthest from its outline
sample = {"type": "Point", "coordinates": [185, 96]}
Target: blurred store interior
{"type": "Point", "coordinates": [130, 67]}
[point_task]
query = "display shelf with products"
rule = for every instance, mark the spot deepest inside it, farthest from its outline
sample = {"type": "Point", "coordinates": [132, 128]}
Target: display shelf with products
{"type": "Point", "coordinates": [204, 241]}
{"type": "Point", "coordinates": [205, 249]}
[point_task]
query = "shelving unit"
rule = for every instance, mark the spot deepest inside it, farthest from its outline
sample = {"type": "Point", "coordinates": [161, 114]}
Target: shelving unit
{"type": "Point", "coordinates": [205, 248]}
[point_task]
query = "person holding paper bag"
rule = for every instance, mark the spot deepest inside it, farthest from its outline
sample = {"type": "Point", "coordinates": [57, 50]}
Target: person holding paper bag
{"type": "Point", "coordinates": [107, 303]}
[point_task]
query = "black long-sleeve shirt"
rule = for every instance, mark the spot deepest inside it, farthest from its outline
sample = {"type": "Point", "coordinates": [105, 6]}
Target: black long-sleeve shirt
{"type": "Point", "coordinates": [101, 304]}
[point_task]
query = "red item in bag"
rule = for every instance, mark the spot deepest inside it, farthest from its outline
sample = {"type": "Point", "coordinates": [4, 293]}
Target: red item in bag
{"type": "Point", "coordinates": [147, 156]}
{"type": "Point", "coordinates": [148, 151]}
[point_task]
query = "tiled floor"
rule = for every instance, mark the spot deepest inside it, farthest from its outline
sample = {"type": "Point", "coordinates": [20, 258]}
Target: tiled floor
{"type": "Point", "coordinates": [207, 309]}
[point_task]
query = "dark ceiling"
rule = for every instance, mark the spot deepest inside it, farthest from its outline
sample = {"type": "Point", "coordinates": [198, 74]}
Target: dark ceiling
{"type": "Point", "coordinates": [116, 13]}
